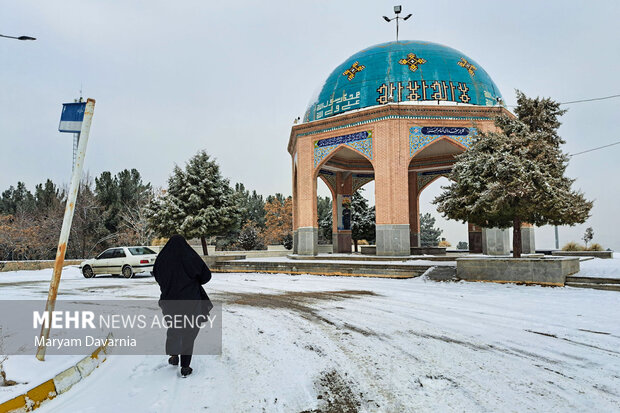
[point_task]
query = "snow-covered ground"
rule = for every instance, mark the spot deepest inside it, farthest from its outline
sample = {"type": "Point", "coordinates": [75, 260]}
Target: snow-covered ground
{"type": "Point", "coordinates": [311, 343]}
{"type": "Point", "coordinates": [602, 268]}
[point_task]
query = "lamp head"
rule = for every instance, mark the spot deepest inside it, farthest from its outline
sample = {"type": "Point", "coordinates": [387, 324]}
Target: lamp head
{"type": "Point", "coordinates": [397, 9]}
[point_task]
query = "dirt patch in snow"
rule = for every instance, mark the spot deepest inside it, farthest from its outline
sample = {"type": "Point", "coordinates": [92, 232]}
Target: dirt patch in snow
{"type": "Point", "coordinates": [300, 302]}
{"type": "Point", "coordinates": [277, 300]}
{"type": "Point", "coordinates": [334, 394]}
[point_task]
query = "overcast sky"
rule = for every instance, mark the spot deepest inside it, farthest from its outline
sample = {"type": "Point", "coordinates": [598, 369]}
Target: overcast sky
{"type": "Point", "coordinates": [171, 78]}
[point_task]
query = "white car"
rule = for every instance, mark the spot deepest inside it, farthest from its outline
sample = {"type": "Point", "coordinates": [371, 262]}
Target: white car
{"type": "Point", "coordinates": [120, 260]}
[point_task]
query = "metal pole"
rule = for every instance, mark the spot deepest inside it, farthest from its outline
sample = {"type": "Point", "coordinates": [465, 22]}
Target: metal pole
{"type": "Point", "coordinates": [66, 224]}
{"type": "Point", "coordinates": [557, 239]}
{"type": "Point", "coordinates": [397, 28]}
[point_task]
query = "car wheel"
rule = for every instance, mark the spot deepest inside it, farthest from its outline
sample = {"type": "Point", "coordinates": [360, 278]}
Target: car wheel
{"type": "Point", "coordinates": [88, 272]}
{"type": "Point", "coordinates": [127, 271]}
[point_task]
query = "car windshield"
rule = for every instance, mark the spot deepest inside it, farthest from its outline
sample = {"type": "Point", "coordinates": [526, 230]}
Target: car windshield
{"type": "Point", "coordinates": [141, 251]}
{"type": "Point", "coordinates": [105, 254]}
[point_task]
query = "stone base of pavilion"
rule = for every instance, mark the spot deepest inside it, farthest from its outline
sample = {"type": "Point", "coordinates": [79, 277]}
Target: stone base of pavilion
{"type": "Point", "coordinates": [531, 269]}
{"type": "Point", "coordinates": [353, 265]}
{"type": "Point", "coordinates": [546, 270]}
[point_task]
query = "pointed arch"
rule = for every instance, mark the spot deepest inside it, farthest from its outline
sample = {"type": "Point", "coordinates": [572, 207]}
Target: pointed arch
{"type": "Point", "coordinates": [413, 153]}
{"type": "Point", "coordinates": [335, 151]}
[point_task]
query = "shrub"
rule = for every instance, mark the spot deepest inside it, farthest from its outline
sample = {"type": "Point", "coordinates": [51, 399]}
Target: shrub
{"type": "Point", "coordinates": [362, 242]}
{"type": "Point", "coordinates": [595, 247]}
{"type": "Point", "coordinates": [159, 242]}
{"type": "Point", "coordinates": [573, 246]}
{"type": "Point", "coordinates": [444, 243]}
{"type": "Point", "coordinates": [287, 241]}
{"type": "Point", "coordinates": [248, 237]}
{"type": "Point", "coordinates": [3, 380]}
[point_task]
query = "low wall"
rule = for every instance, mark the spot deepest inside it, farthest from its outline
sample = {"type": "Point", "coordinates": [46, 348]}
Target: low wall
{"type": "Point", "coordinates": [32, 265]}
{"type": "Point", "coordinates": [372, 250]}
{"type": "Point", "coordinates": [197, 248]}
{"type": "Point", "coordinates": [253, 253]}
{"type": "Point", "coordinates": [595, 254]}
{"type": "Point", "coordinates": [211, 260]}
{"type": "Point", "coordinates": [361, 269]}
{"type": "Point", "coordinates": [324, 249]}
{"type": "Point", "coordinates": [428, 250]}
{"type": "Point", "coordinates": [547, 271]}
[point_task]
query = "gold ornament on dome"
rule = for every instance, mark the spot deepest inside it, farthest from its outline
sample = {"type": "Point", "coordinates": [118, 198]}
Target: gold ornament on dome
{"type": "Point", "coordinates": [353, 70]}
{"type": "Point", "coordinates": [412, 61]}
{"type": "Point", "coordinates": [470, 68]}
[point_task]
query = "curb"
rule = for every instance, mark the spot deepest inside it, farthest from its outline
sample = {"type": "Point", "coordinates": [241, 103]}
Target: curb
{"type": "Point", "coordinates": [60, 384]}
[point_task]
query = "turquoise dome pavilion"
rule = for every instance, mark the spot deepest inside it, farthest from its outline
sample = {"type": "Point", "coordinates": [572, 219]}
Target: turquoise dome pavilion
{"type": "Point", "coordinates": [404, 71]}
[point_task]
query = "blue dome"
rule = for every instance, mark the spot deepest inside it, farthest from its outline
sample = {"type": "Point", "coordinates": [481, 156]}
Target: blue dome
{"type": "Point", "coordinates": [403, 71]}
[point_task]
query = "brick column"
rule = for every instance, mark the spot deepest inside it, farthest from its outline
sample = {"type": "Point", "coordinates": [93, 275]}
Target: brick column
{"type": "Point", "coordinates": [414, 210]}
{"type": "Point", "coordinates": [307, 227]}
{"type": "Point", "coordinates": [392, 188]}
{"type": "Point", "coordinates": [295, 212]}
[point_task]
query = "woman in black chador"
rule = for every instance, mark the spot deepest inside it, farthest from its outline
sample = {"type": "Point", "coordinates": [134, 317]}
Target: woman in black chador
{"type": "Point", "coordinates": [180, 273]}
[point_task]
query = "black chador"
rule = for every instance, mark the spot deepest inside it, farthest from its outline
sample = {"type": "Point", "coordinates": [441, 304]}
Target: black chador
{"type": "Point", "coordinates": [180, 273]}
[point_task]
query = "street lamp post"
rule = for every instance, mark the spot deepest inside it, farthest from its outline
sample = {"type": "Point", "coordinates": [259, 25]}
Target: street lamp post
{"type": "Point", "coordinates": [19, 37]}
{"type": "Point", "coordinates": [397, 10]}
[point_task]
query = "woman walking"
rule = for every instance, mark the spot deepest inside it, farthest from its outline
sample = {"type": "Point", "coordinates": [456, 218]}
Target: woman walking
{"type": "Point", "coordinates": [180, 273]}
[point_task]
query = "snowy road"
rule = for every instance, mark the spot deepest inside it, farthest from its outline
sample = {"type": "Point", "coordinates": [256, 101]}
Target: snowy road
{"type": "Point", "coordinates": [310, 343]}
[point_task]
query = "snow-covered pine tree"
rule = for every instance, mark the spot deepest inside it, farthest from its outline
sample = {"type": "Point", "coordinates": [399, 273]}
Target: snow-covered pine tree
{"type": "Point", "coordinates": [199, 202]}
{"type": "Point", "coordinates": [324, 219]}
{"type": "Point", "coordinates": [249, 238]}
{"type": "Point", "coordinates": [429, 235]}
{"type": "Point", "coordinates": [515, 175]}
{"type": "Point", "coordinates": [362, 219]}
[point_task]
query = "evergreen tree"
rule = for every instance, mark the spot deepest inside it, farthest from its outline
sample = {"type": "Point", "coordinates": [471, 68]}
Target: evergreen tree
{"type": "Point", "coordinates": [515, 175]}
{"type": "Point", "coordinates": [249, 238]}
{"type": "Point", "coordinates": [251, 206]}
{"type": "Point", "coordinates": [107, 194]}
{"type": "Point", "coordinates": [362, 219]}
{"type": "Point", "coordinates": [131, 189]}
{"type": "Point", "coordinates": [199, 202]}
{"type": "Point", "coordinates": [287, 241]}
{"type": "Point", "coordinates": [277, 197]}
{"type": "Point", "coordinates": [18, 199]}
{"type": "Point", "coordinates": [429, 235]}
{"type": "Point", "coordinates": [324, 218]}
{"type": "Point", "coordinates": [123, 193]}
{"type": "Point", "coordinates": [47, 196]}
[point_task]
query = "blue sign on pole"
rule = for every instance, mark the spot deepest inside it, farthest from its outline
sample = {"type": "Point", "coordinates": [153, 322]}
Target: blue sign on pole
{"type": "Point", "coordinates": [71, 117]}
